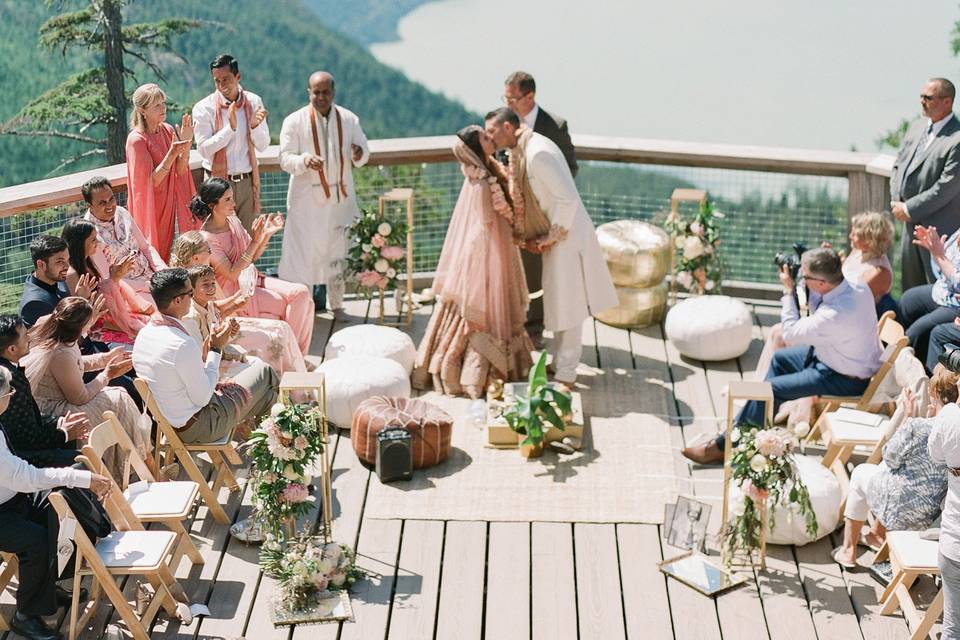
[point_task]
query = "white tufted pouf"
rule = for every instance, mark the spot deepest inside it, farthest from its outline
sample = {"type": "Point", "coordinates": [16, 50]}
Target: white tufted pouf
{"type": "Point", "coordinates": [710, 327]}
{"type": "Point", "coordinates": [825, 496]}
{"type": "Point", "coordinates": [352, 379]}
{"type": "Point", "coordinates": [373, 340]}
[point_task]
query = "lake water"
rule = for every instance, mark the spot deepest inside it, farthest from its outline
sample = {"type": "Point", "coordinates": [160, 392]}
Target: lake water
{"type": "Point", "coordinates": [816, 74]}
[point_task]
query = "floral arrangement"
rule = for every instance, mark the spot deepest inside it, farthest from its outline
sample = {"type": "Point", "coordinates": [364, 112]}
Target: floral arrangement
{"type": "Point", "coordinates": [282, 448]}
{"type": "Point", "coordinates": [307, 567]}
{"type": "Point", "coordinates": [762, 466]}
{"type": "Point", "coordinates": [698, 263]}
{"type": "Point", "coordinates": [377, 251]}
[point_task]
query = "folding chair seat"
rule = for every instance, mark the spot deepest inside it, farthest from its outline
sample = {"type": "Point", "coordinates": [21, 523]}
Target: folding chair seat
{"type": "Point", "coordinates": [222, 454]}
{"type": "Point", "coordinates": [122, 553]}
{"type": "Point", "coordinates": [168, 503]}
{"type": "Point", "coordinates": [893, 339]}
{"type": "Point", "coordinates": [910, 557]}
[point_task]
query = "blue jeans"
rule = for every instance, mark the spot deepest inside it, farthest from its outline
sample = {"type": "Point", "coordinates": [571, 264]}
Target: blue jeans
{"type": "Point", "coordinates": [795, 373]}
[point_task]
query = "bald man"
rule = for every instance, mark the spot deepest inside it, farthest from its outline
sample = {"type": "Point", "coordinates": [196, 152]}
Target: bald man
{"type": "Point", "coordinates": [319, 146]}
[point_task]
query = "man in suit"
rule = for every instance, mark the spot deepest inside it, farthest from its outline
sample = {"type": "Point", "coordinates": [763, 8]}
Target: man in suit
{"type": "Point", "coordinates": [923, 188]}
{"type": "Point", "coordinates": [520, 95]}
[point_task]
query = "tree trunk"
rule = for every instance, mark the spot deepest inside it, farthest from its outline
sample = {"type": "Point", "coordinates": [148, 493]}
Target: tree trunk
{"type": "Point", "coordinates": [113, 64]}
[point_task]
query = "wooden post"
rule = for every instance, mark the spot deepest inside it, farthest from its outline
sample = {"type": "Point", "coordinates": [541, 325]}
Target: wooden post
{"type": "Point", "coordinates": [406, 298]}
{"type": "Point", "coordinates": [760, 391]}
{"type": "Point", "coordinates": [678, 196]}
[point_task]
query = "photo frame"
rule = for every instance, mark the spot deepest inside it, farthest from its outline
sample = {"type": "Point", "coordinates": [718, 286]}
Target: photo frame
{"type": "Point", "coordinates": [701, 573]}
{"type": "Point", "coordinates": [686, 523]}
{"type": "Point", "coordinates": [333, 606]}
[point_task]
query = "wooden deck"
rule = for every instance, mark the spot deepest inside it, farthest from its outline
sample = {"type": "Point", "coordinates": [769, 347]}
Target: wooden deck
{"type": "Point", "coordinates": [501, 581]}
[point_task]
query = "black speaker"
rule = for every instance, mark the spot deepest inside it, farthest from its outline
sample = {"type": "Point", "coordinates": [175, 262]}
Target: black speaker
{"type": "Point", "coordinates": [394, 455]}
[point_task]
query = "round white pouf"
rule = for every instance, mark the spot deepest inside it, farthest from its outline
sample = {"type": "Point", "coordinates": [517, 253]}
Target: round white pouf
{"type": "Point", "coordinates": [352, 379]}
{"type": "Point", "coordinates": [710, 327]}
{"type": "Point", "coordinates": [373, 340]}
{"type": "Point", "coordinates": [825, 496]}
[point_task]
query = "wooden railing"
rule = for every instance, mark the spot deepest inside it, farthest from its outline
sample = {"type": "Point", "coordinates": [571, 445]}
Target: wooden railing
{"type": "Point", "coordinates": [868, 173]}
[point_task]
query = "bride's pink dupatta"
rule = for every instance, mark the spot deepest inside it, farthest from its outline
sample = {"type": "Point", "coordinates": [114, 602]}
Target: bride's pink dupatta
{"type": "Point", "coordinates": [479, 269]}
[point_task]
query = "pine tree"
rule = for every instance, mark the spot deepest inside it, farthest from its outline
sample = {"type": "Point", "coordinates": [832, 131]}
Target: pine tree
{"type": "Point", "coordinates": [79, 107]}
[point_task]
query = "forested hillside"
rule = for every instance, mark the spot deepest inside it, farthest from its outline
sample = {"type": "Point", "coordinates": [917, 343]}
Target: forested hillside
{"type": "Point", "coordinates": [365, 21]}
{"type": "Point", "coordinates": [278, 44]}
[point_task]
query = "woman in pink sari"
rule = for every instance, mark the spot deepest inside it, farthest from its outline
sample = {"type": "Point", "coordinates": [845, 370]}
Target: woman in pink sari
{"type": "Point", "coordinates": [159, 184]}
{"type": "Point", "coordinates": [233, 254]}
{"type": "Point", "coordinates": [127, 310]}
{"type": "Point", "coordinates": [476, 332]}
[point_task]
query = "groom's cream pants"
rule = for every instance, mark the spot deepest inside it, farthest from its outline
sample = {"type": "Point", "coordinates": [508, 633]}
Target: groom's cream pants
{"type": "Point", "coordinates": [566, 349]}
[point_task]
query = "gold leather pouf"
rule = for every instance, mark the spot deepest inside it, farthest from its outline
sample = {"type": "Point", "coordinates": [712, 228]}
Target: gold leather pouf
{"type": "Point", "coordinates": [638, 257]}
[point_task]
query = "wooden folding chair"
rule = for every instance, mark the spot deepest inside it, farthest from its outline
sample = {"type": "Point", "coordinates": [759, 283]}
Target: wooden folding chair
{"type": "Point", "coordinates": [143, 553]}
{"type": "Point", "coordinates": [894, 340]}
{"type": "Point", "coordinates": [222, 454]}
{"type": "Point", "coordinates": [168, 503]}
{"type": "Point", "coordinates": [910, 557]}
{"type": "Point", "coordinates": [10, 566]}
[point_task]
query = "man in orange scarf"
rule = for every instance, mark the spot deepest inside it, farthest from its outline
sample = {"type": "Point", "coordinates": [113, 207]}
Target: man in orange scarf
{"type": "Point", "coordinates": [230, 126]}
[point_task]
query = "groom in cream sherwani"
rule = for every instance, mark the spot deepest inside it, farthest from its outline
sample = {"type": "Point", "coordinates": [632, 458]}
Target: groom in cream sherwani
{"type": "Point", "coordinates": [576, 281]}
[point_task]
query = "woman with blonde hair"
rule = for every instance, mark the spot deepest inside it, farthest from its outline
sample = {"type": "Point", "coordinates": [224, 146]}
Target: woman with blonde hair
{"type": "Point", "coordinates": [55, 369]}
{"type": "Point", "coordinates": [159, 184]}
{"type": "Point", "coordinates": [270, 340]}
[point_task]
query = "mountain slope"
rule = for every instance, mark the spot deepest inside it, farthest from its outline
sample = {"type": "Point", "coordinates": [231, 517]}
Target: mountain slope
{"type": "Point", "coordinates": [278, 45]}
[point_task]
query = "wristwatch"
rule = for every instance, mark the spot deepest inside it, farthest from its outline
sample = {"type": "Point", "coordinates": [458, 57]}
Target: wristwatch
{"type": "Point", "coordinates": [216, 350]}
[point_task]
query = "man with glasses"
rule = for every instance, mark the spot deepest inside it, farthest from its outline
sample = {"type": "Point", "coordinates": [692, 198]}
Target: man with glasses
{"type": "Point", "coordinates": [183, 375]}
{"type": "Point", "coordinates": [836, 349]}
{"type": "Point", "coordinates": [923, 188]}
{"type": "Point", "coordinates": [520, 96]}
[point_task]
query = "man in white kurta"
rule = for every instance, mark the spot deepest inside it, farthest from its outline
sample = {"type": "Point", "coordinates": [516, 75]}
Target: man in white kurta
{"type": "Point", "coordinates": [576, 281]}
{"type": "Point", "coordinates": [319, 146]}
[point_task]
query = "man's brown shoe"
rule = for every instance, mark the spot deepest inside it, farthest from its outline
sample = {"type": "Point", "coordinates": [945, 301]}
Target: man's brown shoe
{"type": "Point", "coordinates": [706, 453]}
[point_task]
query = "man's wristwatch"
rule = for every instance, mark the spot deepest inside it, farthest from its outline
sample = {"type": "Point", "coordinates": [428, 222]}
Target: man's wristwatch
{"type": "Point", "coordinates": [216, 349]}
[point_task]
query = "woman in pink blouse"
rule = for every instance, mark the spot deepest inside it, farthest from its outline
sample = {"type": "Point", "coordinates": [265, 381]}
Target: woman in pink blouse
{"type": "Point", "coordinates": [233, 252]}
{"type": "Point", "coordinates": [159, 184]}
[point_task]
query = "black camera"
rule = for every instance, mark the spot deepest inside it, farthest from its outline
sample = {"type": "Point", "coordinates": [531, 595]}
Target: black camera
{"type": "Point", "coordinates": [950, 358]}
{"type": "Point", "coordinates": [791, 260]}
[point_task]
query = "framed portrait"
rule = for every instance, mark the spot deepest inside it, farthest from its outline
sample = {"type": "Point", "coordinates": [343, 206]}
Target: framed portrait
{"type": "Point", "coordinates": [686, 523]}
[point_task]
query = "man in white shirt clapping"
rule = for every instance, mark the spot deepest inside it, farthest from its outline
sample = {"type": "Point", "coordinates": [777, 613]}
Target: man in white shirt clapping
{"type": "Point", "coordinates": [183, 375]}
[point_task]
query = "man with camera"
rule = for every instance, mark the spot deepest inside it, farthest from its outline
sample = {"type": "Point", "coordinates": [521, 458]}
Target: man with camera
{"type": "Point", "coordinates": [836, 348]}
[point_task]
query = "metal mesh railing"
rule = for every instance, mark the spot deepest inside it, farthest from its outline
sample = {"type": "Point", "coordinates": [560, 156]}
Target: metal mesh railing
{"type": "Point", "coordinates": [765, 212]}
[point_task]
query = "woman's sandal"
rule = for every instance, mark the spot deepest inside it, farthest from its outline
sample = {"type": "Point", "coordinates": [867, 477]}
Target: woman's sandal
{"type": "Point", "coordinates": [835, 554]}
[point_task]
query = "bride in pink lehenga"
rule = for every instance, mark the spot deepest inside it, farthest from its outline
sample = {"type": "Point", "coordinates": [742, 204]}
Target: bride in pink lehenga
{"type": "Point", "coordinates": [476, 333]}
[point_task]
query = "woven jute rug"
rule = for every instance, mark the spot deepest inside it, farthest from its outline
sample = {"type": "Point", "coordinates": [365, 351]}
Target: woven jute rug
{"type": "Point", "coordinates": [625, 472]}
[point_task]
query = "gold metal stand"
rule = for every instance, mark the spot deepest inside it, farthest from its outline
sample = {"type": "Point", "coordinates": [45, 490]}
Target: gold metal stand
{"type": "Point", "coordinates": [680, 195]}
{"type": "Point", "coordinates": [406, 296]}
{"type": "Point", "coordinates": [760, 391]}
{"type": "Point", "coordinates": [313, 384]}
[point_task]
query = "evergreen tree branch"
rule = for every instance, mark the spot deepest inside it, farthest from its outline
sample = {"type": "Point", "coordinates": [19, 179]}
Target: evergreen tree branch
{"type": "Point", "coordinates": [77, 28]}
{"type": "Point", "coordinates": [53, 133]}
{"type": "Point", "coordinates": [99, 151]}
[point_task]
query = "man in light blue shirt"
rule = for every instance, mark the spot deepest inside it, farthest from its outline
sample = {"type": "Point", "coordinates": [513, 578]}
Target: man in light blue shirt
{"type": "Point", "coordinates": [836, 348]}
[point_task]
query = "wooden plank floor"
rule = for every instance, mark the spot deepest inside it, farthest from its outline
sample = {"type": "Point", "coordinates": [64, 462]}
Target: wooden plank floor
{"type": "Point", "coordinates": [501, 581]}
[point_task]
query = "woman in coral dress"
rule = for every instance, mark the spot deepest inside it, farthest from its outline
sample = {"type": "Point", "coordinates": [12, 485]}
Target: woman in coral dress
{"type": "Point", "coordinates": [159, 184]}
{"type": "Point", "coordinates": [476, 333]}
{"type": "Point", "coordinates": [232, 256]}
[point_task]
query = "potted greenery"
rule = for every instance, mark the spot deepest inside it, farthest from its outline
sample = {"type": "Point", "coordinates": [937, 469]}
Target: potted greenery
{"type": "Point", "coordinates": [542, 406]}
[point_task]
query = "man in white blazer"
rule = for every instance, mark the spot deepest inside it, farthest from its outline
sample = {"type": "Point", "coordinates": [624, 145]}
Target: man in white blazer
{"type": "Point", "coordinates": [576, 281]}
{"type": "Point", "coordinates": [319, 146]}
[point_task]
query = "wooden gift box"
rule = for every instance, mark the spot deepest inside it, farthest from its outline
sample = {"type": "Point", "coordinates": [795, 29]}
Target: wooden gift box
{"type": "Point", "coordinates": [499, 433]}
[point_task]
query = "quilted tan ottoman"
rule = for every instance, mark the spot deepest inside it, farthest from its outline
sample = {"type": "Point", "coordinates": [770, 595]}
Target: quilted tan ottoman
{"type": "Point", "coordinates": [429, 428]}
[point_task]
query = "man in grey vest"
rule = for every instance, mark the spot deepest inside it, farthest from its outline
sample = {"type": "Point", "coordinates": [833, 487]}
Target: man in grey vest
{"type": "Point", "coordinates": [923, 188]}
